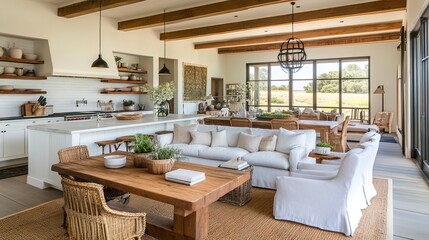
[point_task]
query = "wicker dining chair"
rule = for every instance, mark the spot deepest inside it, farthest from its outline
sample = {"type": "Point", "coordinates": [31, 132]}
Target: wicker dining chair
{"type": "Point", "coordinates": [340, 140]}
{"type": "Point", "coordinates": [89, 217]}
{"type": "Point", "coordinates": [217, 121]}
{"type": "Point", "coordinates": [240, 122]}
{"type": "Point", "coordinates": [80, 152]}
{"type": "Point", "coordinates": [288, 124]}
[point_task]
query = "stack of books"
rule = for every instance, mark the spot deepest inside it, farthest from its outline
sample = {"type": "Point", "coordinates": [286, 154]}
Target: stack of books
{"type": "Point", "coordinates": [236, 164]}
{"type": "Point", "coordinates": [185, 176]}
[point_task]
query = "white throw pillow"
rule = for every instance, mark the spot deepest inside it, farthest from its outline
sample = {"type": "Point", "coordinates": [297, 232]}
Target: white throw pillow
{"type": "Point", "coordinates": [288, 140]}
{"type": "Point", "coordinates": [219, 139]}
{"type": "Point", "coordinates": [249, 142]}
{"type": "Point", "coordinates": [268, 143]}
{"type": "Point", "coordinates": [181, 133]}
{"type": "Point", "coordinates": [202, 138]}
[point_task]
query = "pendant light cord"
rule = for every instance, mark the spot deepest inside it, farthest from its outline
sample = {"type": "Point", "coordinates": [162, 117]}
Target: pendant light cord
{"type": "Point", "coordinates": [164, 36]}
{"type": "Point", "coordinates": [292, 3]}
{"type": "Point", "coordinates": [99, 32]}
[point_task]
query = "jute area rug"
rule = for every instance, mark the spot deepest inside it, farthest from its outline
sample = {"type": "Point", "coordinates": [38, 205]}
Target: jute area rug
{"type": "Point", "coordinates": [252, 221]}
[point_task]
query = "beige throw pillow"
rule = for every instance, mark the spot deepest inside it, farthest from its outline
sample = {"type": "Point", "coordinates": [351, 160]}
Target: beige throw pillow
{"type": "Point", "coordinates": [203, 138]}
{"type": "Point", "coordinates": [219, 139]}
{"type": "Point", "coordinates": [181, 133]}
{"type": "Point", "coordinates": [288, 140]}
{"type": "Point", "coordinates": [268, 143]}
{"type": "Point", "coordinates": [249, 142]}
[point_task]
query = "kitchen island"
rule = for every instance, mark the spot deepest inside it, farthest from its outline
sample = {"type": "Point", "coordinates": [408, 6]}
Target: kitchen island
{"type": "Point", "coordinates": [44, 141]}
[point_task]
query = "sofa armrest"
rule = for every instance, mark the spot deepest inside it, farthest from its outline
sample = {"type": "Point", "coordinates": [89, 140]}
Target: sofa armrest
{"type": "Point", "coordinates": [318, 167]}
{"type": "Point", "coordinates": [296, 155]}
{"type": "Point", "coordinates": [164, 139]}
{"type": "Point", "coordinates": [314, 174]}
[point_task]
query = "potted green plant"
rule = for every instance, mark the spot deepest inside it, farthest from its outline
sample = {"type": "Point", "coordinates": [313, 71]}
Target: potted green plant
{"type": "Point", "coordinates": [323, 148]}
{"type": "Point", "coordinates": [128, 104]}
{"type": "Point", "coordinates": [162, 159]}
{"type": "Point", "coordinates": [142, 146]}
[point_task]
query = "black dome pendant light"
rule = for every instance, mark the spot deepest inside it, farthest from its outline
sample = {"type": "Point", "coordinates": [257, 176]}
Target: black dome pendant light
{"type": "Point", "coordinates": [99, 63]}
{"type": "Point", "coordinates": [292, 53]}
{"type": "Point", "coordinates": [164, 70]}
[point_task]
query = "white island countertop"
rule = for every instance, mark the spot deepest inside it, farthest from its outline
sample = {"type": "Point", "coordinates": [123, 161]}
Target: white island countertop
{"type": "Point", "coordinates": [73, 127]}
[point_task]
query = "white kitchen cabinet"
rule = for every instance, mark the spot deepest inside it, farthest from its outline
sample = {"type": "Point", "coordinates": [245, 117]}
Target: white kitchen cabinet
{"type": "Point", "coordinates": [12, 140]}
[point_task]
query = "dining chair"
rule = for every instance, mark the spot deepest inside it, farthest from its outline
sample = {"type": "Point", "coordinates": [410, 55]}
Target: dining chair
{"type": "Point", "coordinates": [339, 140]}
{"type": "Point", "coordinates": [240, 122]}
{"type": "Point", "coordinates": [216, 121]}
{"type": "Point", "coordinates": [89, 217]}
{"type": "Point", "coordinates": [309, 116]}
{"type": "Point", "coordinates": [79, 153]}
{"type": "Point", "coordinates": [384, 121]}
{"type": "Point", "coordinates": [288, 124]}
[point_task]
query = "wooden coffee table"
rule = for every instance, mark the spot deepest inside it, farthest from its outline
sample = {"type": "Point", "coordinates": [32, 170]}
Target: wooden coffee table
{"type": "Point", "coordinates": [190, 202]}
{"type": "Point", "coordinates": [320, 157]}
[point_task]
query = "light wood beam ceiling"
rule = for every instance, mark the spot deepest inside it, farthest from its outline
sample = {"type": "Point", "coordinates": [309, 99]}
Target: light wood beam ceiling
{"type": "Point", "coordinates": [91, 6]}
{"type": "Point", "coordinates": [316, 43]}
{"type": "Point", "coordinates": [323, 14]}
{"type": "Point", "coordinates": [195, 13]}
{"type": "Point", "coordinates": [391, 26]}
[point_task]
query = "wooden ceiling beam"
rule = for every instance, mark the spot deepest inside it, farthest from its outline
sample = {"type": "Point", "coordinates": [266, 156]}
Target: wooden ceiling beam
{"type": "Point", "coordinates": [390, 26]}
{"type": "Point", "coordinates": [316, 43]}
{"type": "Point", "coordinates": [91, 6]}
{"type": "Point", "coordinates": [323, 14]}
{"type": "Point", "coordinates": [182, 15]}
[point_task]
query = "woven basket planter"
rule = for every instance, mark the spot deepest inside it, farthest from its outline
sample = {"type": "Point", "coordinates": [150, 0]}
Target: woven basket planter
{"type": "Point", "coordinates": [140, 159]}
{"type": "Point", "coordinates": [159, 166]}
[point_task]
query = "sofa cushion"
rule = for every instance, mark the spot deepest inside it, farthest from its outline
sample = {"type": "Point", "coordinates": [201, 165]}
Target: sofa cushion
{"type": "Point", "coordinates": [181, 133]}
{"type": "Point", "coordinates": [268, 159]}
{"type": "Point", "coordinates": [222, 153]}
{"type": "Point", "coordinates": [268, 143]}
{"type": "Point", "coordinates": [232, 134]}
{"type": "Point", "coordinates": [310, 139]}
{"type": "Point", "coordinates": [206, 128]}
{"type": "Point", "coordinates": [219, 139]}
{"type": "Point", "coordinates": [249, 142]}
{"type": "Point", "coordinates": [202, 138]}
{"type": "Point", "coordinates": [189, 150]}
{"type": "Point", "coordinates": [288, 140]}
{"type": "Point", "coordinates": [264, 132]}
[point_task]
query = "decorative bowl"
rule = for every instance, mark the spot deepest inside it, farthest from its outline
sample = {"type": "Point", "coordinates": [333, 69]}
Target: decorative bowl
{"type": "Point", "coordinates": [30, 56]}
{"type": "Point", "coordinates": [115, 161]}
{"type": "Point", "coordinates": [140, 160]}
{"type": "Point", "coordinates": [6, 87]}
{"type": "Point", "coordinates": [135, 89]}
{"type": "Point", "coordinates": [15, 53]}
{"type": "Point", "coordinates": [124, 77]}
{"type": "Point", "coordinates": [9, 70]}
{"type": "Point", "coordinates": [159, 166]}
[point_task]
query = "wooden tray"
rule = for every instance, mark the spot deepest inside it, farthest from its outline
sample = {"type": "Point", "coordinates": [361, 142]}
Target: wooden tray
{"type": "Point", "coordinates": [126, 116]}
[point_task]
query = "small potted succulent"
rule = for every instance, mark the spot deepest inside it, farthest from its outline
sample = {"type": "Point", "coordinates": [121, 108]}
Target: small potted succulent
{"type": "Point", "coordinates": [162, 159]}
{"type": "Point", "coordinates": [128, 104]}
{"type": "Point", "coordinates": [323, 148]}
{"type": "Point", "coordinates": [142, 146]}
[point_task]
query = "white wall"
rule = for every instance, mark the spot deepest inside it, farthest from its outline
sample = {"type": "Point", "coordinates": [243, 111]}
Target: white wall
{"type": "Point", "coordinates": [384, 59]}
{"type": "Point", "coordinates": [73, 45]}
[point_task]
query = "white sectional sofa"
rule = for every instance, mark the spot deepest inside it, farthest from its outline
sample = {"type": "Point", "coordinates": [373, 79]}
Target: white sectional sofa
{"type": "Point", "coordinates": [203, 147]}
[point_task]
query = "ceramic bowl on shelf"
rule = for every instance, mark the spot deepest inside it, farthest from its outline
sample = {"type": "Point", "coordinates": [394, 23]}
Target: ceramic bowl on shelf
{"type": "Point", "coordinates": [30, 56]}
{"type": "Point", "coordinates": [6, 87]}
{"type": "Point", "coordinates": [135, 88]}
{"type": "Point", "coordinates": [9, 70]}
{"type": "Point", "coordinates": [109, 89]}
{"type": "Point", "coordinates": [115, 161]}
{"type": "Point", "coordinates": [124, 77]}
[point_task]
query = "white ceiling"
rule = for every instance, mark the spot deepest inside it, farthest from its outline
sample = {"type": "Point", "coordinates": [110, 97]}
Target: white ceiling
{"type": "Point", "coordinates": [151, 7]}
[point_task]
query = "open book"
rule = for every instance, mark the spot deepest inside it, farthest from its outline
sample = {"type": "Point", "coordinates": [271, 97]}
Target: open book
{"type": "Point", "coordinates": [237, 164]}
{"type": "Point", "coordinates": [185, 176]}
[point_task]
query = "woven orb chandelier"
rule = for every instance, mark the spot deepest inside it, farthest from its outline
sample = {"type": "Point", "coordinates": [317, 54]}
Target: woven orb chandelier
{"type": "Point", "coordinates": [292, 53]}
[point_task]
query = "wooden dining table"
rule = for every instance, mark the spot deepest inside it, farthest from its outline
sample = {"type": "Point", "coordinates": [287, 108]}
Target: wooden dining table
{"type": "Point", "coordinates": [322, 127]}
{"type": "Point", "coordinates": [190, 203]}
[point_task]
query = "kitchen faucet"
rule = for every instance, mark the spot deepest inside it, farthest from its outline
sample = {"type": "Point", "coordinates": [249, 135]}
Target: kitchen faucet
{"type": "Point", "coordinates": [83, 101]}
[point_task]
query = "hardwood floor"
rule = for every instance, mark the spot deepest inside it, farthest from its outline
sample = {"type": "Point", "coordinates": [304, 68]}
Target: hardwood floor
{"type": "Point", "coordinates": [410, 193]}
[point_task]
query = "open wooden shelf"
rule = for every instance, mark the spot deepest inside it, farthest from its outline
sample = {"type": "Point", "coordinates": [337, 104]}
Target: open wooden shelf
{"type": "Point", "coordinates": [16, 77]}
{"type": "Point", "coordinates": [22, 92]}
{"type": "Point", "coordinates": [123, 81]}
{"type": "Point", "coordinates": [21, 60]}
{"type": "Point", "coordinates": [119, 92]}
{"type": "Point", "coordinates": [131, 70]}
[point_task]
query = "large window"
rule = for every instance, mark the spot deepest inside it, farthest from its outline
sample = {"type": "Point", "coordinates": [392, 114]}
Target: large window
{"type": "Point", "coordinates": [341, 84]}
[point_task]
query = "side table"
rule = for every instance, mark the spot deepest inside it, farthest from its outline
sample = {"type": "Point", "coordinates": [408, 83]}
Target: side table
{"type": "Point", "coordinates": [319, 157]}
{"type": "Point", "coordinates": [241, 195]}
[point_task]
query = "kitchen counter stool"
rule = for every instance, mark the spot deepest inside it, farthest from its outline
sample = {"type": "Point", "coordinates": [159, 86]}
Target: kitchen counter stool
{"type": "Point", "coordinates": [127, 140]}
{"type": "Point", "coordinates": [116, 144]}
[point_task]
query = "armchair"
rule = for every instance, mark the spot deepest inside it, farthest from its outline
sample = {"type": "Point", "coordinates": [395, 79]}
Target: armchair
{"type": "Point", "coordinates": [338, 205]}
